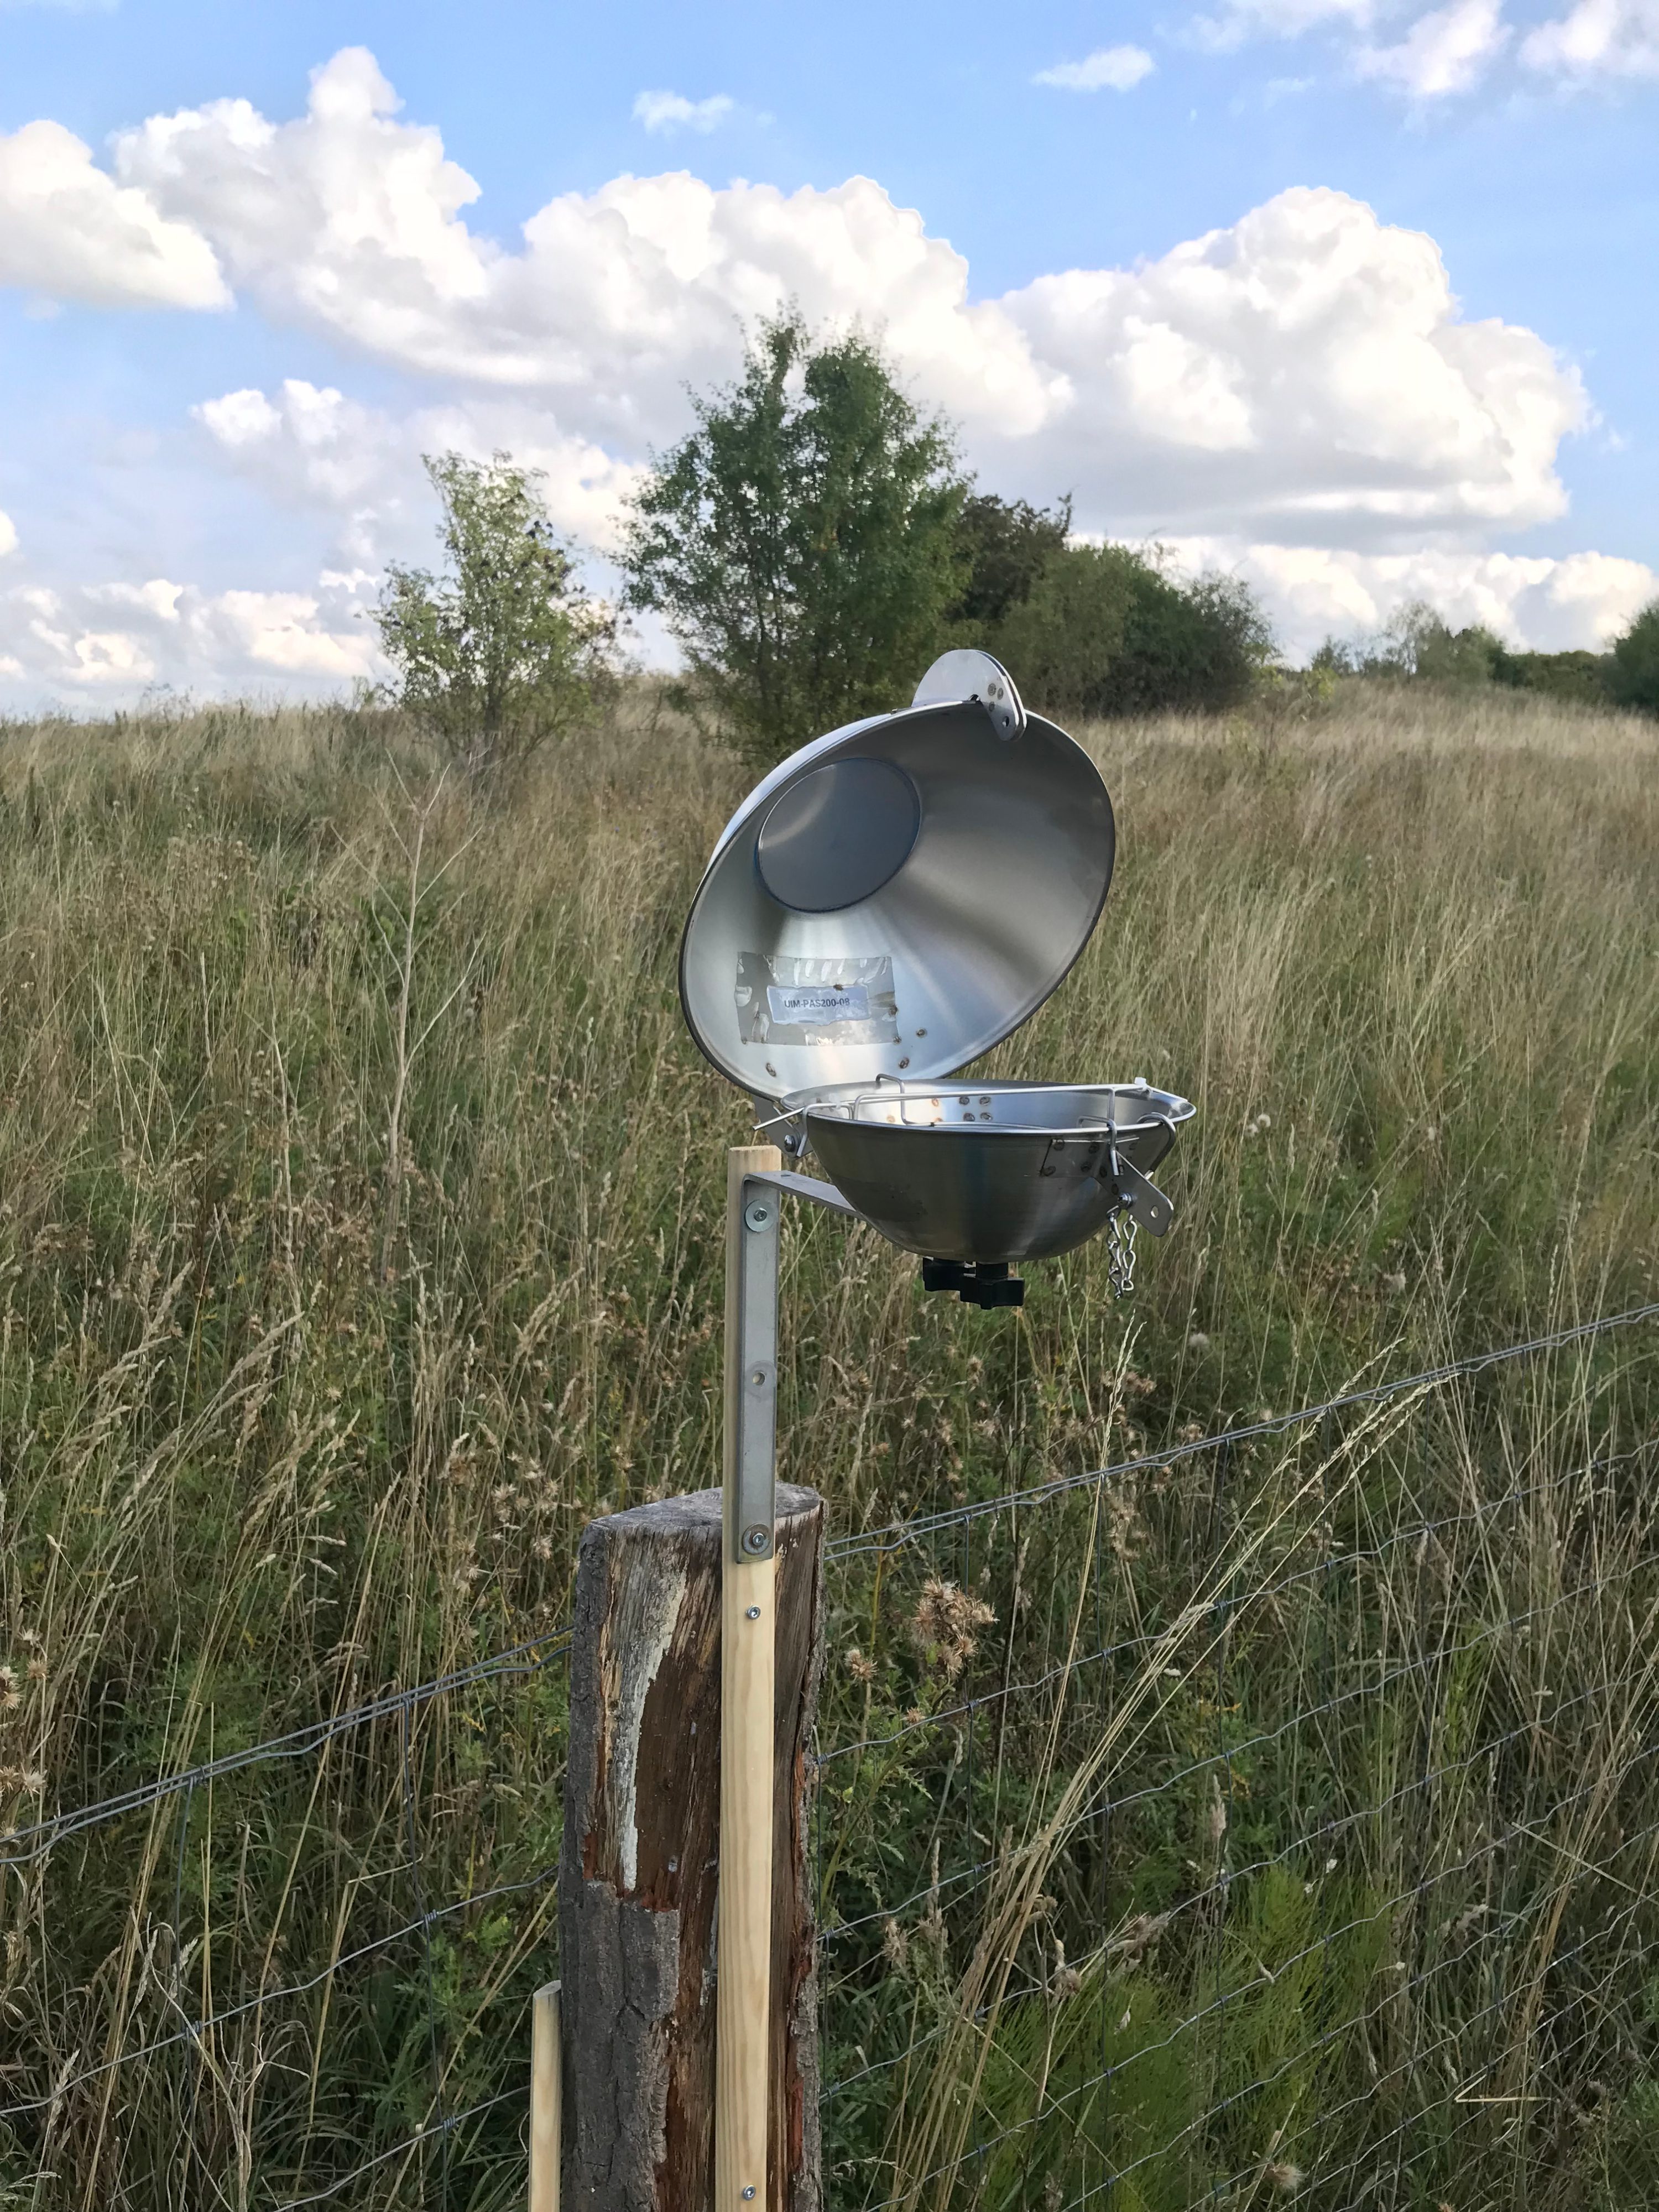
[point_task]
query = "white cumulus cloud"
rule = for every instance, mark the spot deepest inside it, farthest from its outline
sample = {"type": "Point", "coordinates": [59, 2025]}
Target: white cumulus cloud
{"type": "Point", "coordinates": [1116, 68]}
{"type": "Point", "coordinates": [1580, 600]}
{"type": "Point", "coordinates": [310, 445]}
{"type": "Point", "coordinates": [1597, 39]}
{"type": "Point", "coordinates": [67, 230]}
{"type": "Point", "coordinates": [7, 536]}
{"type": "Point", "coordinates": [1304, 371]}
{"type": "Point", "coordinates": [1448, 50]}
{"type": "Point", "coordinates": [672, 111]}
{"type": "Point", "coordinates": [1307, 369]}
{"type": "Point", "coordinates": [95, 644]}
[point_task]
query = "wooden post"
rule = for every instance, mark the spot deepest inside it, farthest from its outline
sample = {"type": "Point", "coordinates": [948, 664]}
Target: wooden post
{"type": "Point", "coordinates": [641, 1861]}
{"type": "Point", "coordinates": [748, 1660]}
{"type": "Point", "coordinates": [546, 2095]}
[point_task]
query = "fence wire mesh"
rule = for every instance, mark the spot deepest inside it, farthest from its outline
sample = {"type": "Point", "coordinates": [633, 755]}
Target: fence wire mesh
{"type": "Point", "coordinates": [312, 1982]}
{"type": "Point", "coordinates": [1270, 1815]}
{"type": "Point", "coordinates": [1274, 1816]}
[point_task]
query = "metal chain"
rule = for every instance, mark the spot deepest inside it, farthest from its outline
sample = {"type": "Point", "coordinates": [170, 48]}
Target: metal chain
{"type": "Point", "coordinates": [1120, 1251]}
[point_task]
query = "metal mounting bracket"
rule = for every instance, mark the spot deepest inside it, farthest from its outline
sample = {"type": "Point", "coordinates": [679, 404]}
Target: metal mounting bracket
{"type": "Point", "coordinates": [756, 1411]}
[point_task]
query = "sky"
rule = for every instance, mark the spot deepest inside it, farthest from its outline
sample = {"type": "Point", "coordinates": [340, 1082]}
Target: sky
{"type": "Point", "coordinates": [1351, 298]}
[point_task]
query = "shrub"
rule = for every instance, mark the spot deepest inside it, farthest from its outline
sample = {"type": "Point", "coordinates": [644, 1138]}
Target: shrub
{"type": "Point", "coordinates": [1004, 546]}
{"type": "Point", "coordinates": [1104, 632]}
{"type": "Point", "coordinates": [1633, 677]}
{"type": "Point", "coordinates": [499, 653]}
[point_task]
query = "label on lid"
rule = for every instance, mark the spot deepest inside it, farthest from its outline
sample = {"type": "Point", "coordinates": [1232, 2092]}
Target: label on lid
{"type": "Point", "coordinates": [825, 1001]}
{"type": "Point", "coordinates": [817, 1002]}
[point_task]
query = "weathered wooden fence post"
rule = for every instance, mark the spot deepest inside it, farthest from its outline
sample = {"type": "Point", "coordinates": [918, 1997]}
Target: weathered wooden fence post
{"type": "Point", "coordinates": [639, 1866]}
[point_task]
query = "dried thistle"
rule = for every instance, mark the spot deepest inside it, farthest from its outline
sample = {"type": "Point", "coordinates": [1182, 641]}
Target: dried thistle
{"type": "Point", "coordinates": [860, 1668]}
{"type": "Point", "coordinates": [946, 1625]}
{"type": "Point", "coordinates": [1282, 2177]}
{"type": "Point", "coordinates": [1126, 1532]}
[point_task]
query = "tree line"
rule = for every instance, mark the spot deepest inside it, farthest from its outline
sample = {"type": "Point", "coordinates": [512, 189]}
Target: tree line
{"type": "Point", "coordinates": [1419, 645]}
{"type": "Point", "coordinates": [810, 544]}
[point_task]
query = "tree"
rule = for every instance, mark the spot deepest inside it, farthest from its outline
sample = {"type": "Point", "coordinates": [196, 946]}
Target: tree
{"type": "Point", "coordinates": [800, 543]}
{"type": "Point", "coordinates": [1104, 632]}
{"type": "Point", "coordinates": [1577, 674]}
{"type": "Point", "coordinates": [1004, 545]}
{"type": "Point", "coordinates": [1633, 677]}
{"type": "Point", "coordinates": [500, 653]}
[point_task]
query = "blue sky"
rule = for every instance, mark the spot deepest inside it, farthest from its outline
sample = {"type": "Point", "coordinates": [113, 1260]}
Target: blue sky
{"type": "Point", "coordinates": [1353, 296]}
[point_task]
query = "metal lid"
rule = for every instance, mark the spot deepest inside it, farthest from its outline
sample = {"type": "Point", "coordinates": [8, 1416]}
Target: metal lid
{"type": "Point", "coordinates": [899, 896]}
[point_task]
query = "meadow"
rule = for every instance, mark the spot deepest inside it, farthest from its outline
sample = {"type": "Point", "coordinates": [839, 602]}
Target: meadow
{"type": "Point", "coordinates": [361, 1217]}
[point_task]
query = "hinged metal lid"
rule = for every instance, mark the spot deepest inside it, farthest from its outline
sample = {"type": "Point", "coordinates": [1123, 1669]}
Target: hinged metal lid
{"type": "Point", "coordinates": [899, 896]}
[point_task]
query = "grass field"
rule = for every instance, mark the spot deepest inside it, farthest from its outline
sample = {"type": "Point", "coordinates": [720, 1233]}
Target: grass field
{"type": "Point", "coordinates": [361, 1201]}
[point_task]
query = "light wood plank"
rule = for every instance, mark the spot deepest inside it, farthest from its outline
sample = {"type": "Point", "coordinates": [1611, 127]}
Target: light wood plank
{"type": "Point", "coordinates": [546, 2099]}
{"type": "Point", "coordinates": [748, 1650]}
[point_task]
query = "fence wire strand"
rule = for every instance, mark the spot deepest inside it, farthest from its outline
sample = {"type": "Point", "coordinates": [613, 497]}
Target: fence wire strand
{"type": "Point", "coordinates": [1454, 1585]}
{"type": "Point", "coordinates": [985, 1813]}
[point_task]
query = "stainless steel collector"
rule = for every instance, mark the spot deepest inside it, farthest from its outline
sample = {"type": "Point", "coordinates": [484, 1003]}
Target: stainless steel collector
{"type": "Point", "coordinates": [887, 905]}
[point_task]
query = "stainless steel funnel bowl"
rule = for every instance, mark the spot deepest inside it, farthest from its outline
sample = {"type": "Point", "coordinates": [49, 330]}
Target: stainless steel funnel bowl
{"type": "Point", "coordinates": [889, 903]}
{"type": "Point", "coordinates": [995, 1171]}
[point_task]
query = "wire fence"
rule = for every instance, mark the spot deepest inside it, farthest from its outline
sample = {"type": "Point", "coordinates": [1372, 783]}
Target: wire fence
{"type": "Point", "coordinates": [1273, 1811]}
{"type": "Point", "coordinates": [1273, 1815]}
{"type": "Point", "coordinates": [282, 2013]}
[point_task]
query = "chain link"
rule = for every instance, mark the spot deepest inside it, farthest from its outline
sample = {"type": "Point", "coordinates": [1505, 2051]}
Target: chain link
{"type": "Point", "coordinates": [1120, 1251]}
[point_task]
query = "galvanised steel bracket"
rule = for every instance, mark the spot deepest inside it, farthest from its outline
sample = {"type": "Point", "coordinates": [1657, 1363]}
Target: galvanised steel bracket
{"type": "Point", "coordinates": [757, 1316]}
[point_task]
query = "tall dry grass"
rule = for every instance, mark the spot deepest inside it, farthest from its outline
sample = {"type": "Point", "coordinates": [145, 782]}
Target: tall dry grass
{"type": "Point", "coordinates": [359, 1207]}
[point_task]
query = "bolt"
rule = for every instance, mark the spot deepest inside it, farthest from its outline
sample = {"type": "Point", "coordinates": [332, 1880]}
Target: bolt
{"type": "Point", "coordinates": [757, 1378]}
{"type": "Point", "coordinates": [673, 1866]}
{"type": "Point", "coordinates": [757, 1540]}
{"type": "Point", "coordinates": [753, 1613]}
{"type": "Point", "coordinates": [758, 1215]}
{"type": "Point", "coordinates": [748, 2192]}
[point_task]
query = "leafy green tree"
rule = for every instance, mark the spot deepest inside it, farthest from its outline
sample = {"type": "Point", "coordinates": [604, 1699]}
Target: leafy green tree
{"type": "Point", "coordinates": [1467, 656]}
{"type": "Point", "coordinates": [500, 652]}
{"type": "Point", "coordinates": [1005, 545]}
{"type": "Point", "coordinates": [1104, 632]}
{"type": "Point", "coordinates": [1418, 642]}
{"type": "Point", "coordinates": [1578, 675]}
{"type": "Point", "coordinates": [1633, 678]}
{"type": "Point", "coordinates": [801, 541]}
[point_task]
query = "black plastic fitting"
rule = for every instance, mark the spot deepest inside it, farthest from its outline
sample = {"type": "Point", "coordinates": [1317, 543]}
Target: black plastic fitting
{"type": "Point", "coordinates": [976, 1283]}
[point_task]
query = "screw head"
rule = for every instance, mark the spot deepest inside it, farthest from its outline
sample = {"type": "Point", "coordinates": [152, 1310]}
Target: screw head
{"type": "Point", "coordinates": [756, 1540]}
{"type": "Point", "coordinates": [758, 1214]}
{"type": "Point", "coordinates": [753, 1613]}
{"type": "Point", "coordinates": [748, 2192]}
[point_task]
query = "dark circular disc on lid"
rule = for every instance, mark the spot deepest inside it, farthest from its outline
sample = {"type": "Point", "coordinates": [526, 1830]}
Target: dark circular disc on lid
{"type": "Point", "coordinates": [837, 835]}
